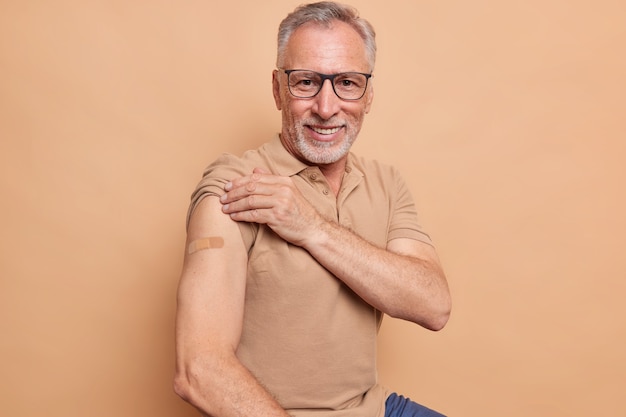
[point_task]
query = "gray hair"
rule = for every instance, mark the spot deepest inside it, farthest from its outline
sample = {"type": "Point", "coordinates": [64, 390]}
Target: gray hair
{"type": "Point", "coordinates": [324, 13]}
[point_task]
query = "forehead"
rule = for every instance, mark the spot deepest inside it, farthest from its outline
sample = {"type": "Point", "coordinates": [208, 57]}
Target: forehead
{"type": "Point", "coordinates": [329, 49]}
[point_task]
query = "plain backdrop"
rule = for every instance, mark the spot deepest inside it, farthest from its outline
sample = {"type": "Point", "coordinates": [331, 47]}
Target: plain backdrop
{"type": "Point", "coordinates": [507, 120]}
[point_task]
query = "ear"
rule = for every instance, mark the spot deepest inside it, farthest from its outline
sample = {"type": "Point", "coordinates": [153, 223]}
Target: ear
{"type": "Point", "coordinates": [369, 98]}
{"type": "Point", "coordinates": [276, 89]}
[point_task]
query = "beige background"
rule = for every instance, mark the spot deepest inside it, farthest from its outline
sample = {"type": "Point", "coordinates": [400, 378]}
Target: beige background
{"type": "Point", "coordinates": [506, 118]}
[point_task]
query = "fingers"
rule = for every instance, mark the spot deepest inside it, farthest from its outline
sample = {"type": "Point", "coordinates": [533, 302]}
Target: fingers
{"type": "Point", "coordinates": [269, 199]}
{"type": "Point", "coordinates": [246, 195]}
{"type": "Point", "coordinates": [248, 203]}
{"type": "Point", "coordinates": [257, 183]}
{"type": "Point", "coordinates": [245, 191]}
{"type": "Point", "coordinates": [251, 216]}
{"type": "Point", "coordinates": [258, 175]}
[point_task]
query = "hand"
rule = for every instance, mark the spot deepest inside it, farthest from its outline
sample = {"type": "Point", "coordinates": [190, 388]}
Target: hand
{"type": "Point", "coordinates": [273, 200]}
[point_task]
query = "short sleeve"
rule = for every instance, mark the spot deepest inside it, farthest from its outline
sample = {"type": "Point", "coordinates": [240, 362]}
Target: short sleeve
{"type": "Point", "coordinates": [215, 176]}
{"type": "Point", "coordinates": [404, 219]}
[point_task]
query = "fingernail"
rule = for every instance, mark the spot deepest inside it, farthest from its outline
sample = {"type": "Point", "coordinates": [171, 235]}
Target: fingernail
{"type": "Point", "coordinates": [228, 186]}
{"type": "Point", "coordinates": [223, 197]}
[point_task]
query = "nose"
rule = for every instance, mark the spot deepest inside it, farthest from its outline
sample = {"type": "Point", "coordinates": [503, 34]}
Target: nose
{"type": "Point", "coordinates": [326, 103]}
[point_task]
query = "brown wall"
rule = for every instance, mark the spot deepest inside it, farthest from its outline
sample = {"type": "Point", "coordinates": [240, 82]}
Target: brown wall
{"type": "Point", "coordinates": [507, 119]}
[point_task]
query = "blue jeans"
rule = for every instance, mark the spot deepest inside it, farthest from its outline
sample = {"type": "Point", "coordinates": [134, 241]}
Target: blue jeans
{"type": "Point", "coordinates": [398, 406]}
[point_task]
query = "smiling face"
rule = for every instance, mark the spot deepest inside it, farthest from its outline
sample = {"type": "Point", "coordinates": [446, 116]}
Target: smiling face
{"type": "Point", "coordinates": [321, 130]}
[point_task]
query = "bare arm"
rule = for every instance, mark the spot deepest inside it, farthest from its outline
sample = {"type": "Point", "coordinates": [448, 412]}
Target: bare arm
{"type": "Point", "coordinates": [404, 280]}
{"type": "Point", "coordinates": [209, 322]}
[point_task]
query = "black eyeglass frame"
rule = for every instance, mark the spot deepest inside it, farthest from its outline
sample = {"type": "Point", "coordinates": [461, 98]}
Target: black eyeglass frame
{"type": "Point", "coordinates": [330, 77]}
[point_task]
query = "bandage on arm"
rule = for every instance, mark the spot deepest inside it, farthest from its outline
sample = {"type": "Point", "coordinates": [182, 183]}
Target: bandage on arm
{"type": "Point", "coordinates": [213, 242]}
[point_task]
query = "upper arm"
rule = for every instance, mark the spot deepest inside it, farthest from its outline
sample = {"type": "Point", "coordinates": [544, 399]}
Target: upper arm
{"type": "Point", "coordinates": [414, 248]}
{"type": "Point", "coordinates": [432, 295]}
{"type": "Point", "coordinates": [211, 291]}
{"type": "Point", "coordinates": [427, 260]}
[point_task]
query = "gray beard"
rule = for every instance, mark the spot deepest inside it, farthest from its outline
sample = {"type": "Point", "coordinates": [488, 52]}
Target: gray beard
{"type": "Point", "coordinates": [321, 153]}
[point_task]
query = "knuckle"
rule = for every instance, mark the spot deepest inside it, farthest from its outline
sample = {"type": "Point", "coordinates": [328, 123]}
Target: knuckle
{"type": "Point", "coordinates": [284, 190]}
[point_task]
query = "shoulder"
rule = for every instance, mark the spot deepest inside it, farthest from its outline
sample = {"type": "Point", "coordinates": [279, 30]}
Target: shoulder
{"type": "Point", "coordinates": [223, 169]}
{"type": "Point", "coordinates": [374, 170]}
{"type": "Point", "coordinates": [383, 179]}
{"type": "Point", "coordinates": [228, 166]}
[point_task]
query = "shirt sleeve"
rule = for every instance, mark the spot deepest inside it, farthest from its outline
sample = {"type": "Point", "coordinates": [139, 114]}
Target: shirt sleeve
{"type": "Point", "coordinates": [404, 219]}
{"type": "Point", "coordinates": [215, 176]}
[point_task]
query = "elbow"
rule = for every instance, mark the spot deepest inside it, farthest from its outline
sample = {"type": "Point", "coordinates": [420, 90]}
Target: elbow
{"type": "Point", "coordinates": [440, 314]}
{"type": "Point", "coordinates": [433, 318]}
{"type": "Point", "coordinates": [187, 383]}
{"type": "Point", "coordinates": [434, 321]}
{"type": "Point", "coordinates": [188, 389]}
{"type": "Point", "coordinates": [197, 382]}
{"type": "Point", "coordinates": [438, 321]}
{"type": "Point", "coordinates": [439, 310]}
{"type": "Point", "coordinates": [182, 386]}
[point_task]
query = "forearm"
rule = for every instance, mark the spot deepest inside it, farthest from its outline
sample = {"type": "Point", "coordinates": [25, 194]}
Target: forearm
{"type": "Point", "coordinates": [220, 386]}
{"type": "Point", "coordinates": [403, 279]}
{"type": "Point", "coordinates": [408, 287]}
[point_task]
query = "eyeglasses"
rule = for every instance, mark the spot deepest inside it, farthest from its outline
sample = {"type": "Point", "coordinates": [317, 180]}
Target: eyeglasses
{"type": "Point", "coordinates": [346, 85]}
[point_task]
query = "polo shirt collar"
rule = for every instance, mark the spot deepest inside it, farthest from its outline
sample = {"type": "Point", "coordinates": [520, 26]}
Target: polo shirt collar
{"type": "Point", "coordinates": [288, 165]}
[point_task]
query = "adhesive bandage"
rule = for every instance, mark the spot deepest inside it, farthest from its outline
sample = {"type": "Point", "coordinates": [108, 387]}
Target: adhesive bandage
{"type": "Point", "coordinates": [213, 242]}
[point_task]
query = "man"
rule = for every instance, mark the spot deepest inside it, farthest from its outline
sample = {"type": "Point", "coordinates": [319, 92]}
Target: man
{"type": "Point", "coordinates": [296, 250]}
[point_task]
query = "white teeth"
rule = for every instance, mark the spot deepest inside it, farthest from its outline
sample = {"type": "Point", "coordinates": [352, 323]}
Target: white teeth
{"type": "Point", "coordinates": [326, 131]}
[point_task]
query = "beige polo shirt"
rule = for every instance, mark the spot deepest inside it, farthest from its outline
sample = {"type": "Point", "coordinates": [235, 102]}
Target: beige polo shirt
{"type": "Point", "coordinates": [307, 337]}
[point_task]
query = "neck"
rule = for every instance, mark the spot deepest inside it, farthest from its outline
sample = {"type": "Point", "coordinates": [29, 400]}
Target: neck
{"type": "Point", "coordinates": [334, 174]}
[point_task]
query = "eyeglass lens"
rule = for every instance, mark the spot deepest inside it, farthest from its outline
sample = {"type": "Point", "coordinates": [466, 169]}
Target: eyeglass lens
{"type": "Point", "coordinates": [347, 85]}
